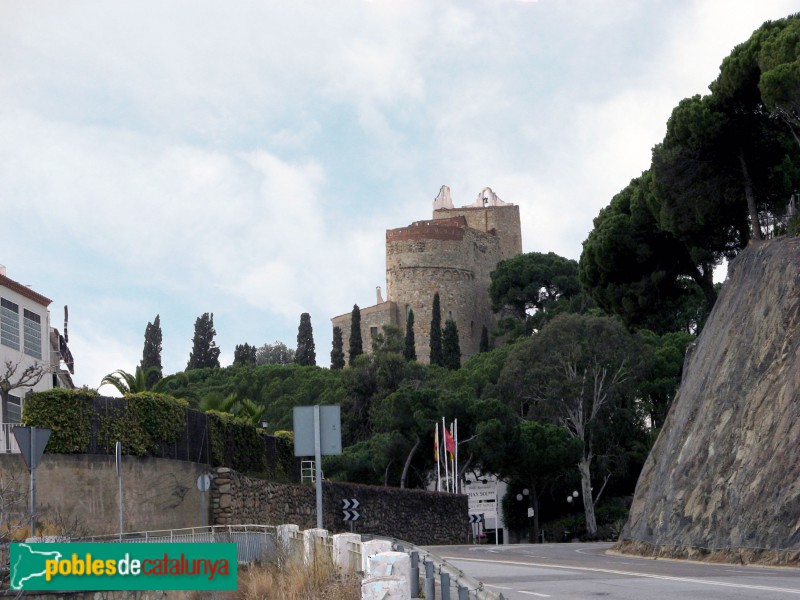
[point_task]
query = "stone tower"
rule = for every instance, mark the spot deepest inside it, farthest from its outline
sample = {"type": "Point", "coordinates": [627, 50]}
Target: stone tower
{"type": "Point", "coordinates": [452, 254]}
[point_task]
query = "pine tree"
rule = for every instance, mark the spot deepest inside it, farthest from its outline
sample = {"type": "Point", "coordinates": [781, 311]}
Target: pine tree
{"type": "Point", "coordinates": [484, 343]}
{"type": "Point", "coordinates": [337, 352]}
{"type": "Point", "coordinates": [151, 353]}
{"type": "Point", "coordinates": [451, 349]}
{"type": "Point", "coordinates": [356, 347]}
{"type": "Point", "coordinates": [244, 354]}
{"type": "Point", "coordinates": [410, 349]}
{"type": "Point", "coordinates": [204, 352]}
{"type": "Point", "coordinates": [437, 358]}
{"type": "Point", "coordinates": [305, 353]}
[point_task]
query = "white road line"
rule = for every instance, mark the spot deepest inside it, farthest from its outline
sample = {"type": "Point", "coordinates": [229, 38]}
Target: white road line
{"type": "Point", "coordinates": [499, 587]}
{"type": "Point", "coordinates": [534, 594]}
{"type": "Point", "coordinates": [630, 574]}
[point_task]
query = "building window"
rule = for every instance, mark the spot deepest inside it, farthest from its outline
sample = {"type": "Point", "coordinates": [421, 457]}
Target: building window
{"type": "Point", "coordinates": [33, 334]}
{"type": "Point", "coordinates": [9, 324]}
{"type": "Point", "coordinates": [373, 331]}
{"type": "Point", "coordinates": [14, 414]}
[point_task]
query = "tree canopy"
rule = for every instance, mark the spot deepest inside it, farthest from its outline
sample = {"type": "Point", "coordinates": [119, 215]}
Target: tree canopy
{"type": "Point", "coordinates": [151, 353]}
{"type": "Point", "coordinates": [276, 353]}
{"type": "Point", "coordinates": [244, 354]}
{"type": "Point", "coordinates": [337, 349]}
{"type": "Point", "coordinates": [305, 353]}
{"type": "Point", "coordinates": [356, 343]}
{"type": "Point", "coordinates": [205, 353]}
{"type": "Point", "coordinates": [578, 372]}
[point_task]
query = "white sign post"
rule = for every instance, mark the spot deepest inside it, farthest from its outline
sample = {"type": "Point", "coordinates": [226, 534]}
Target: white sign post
{"type": "Point", "coordinates": [317, 431]}
{"type": "Point", "coordinates": [118, 457]}
{"type": "Point", "coordinates": [203, 483]}
{"type": "Point", "coordinates": [32, 442]}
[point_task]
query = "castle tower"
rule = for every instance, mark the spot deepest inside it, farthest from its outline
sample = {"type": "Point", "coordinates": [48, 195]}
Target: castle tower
{"type": "Point", "coordinates": [452, 254]}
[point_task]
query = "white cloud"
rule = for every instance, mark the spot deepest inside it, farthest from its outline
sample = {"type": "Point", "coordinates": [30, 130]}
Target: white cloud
{"type": "Point", "coordinates": [185, 157]}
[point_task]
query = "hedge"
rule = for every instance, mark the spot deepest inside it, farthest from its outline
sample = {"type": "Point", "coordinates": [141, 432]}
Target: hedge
{"type": "Point", "coordinates": [82, 422]}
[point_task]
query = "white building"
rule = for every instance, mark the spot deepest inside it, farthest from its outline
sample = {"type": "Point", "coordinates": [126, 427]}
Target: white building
{"type": "Point", "coordinates": [31, 352]}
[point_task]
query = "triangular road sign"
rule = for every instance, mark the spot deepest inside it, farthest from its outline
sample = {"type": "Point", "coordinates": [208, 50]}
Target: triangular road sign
{"type": "Point", "coordinates": [31, 456]}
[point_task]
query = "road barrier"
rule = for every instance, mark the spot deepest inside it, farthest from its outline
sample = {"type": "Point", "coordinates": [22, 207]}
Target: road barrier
{"type": "Point", "coordinates": [374, 557]}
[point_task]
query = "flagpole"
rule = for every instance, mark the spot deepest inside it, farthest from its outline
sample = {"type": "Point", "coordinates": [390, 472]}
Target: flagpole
{"type": "Point", "coordinates": [453, 459]}
{"type": "Point", "coordinates": [455, 468]}
{"type": "Point", "coordinates": [446, 476]}
{"type": "Point", "coordinates": [438, 462]}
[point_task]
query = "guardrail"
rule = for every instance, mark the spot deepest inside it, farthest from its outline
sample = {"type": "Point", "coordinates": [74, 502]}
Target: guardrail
{"type": "Point", "coordinates": [266, 542]}
{"type": "Point", "coordinates": [253, 542]}
{"type": "Point", "coordinates": [451, 578]}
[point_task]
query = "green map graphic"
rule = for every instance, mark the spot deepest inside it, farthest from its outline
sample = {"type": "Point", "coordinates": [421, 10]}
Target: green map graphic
{"type": "Point", "coordinates": [27, 564]}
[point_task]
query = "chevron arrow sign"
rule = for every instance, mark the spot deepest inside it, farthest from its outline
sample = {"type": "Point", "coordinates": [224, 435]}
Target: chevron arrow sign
{"type": "Point", "coordinates": [351, 515]}
{"type": "Point", "coordinates": [476, 518]}
{"type": "Point", "coordinates": [350, 504]}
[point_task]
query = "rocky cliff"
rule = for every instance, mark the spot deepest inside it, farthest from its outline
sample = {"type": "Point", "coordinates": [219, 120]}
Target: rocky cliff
{"type": "Point", "coordinates": [725, 470]}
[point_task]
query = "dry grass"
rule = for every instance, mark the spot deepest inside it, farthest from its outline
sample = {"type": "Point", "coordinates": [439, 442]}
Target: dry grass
{"type": "Point", "coordinates": [294, 580]}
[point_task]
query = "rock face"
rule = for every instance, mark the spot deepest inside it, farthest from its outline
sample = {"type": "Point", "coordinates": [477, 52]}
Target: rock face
{"type": "Point", "coordinates": [725, 470]}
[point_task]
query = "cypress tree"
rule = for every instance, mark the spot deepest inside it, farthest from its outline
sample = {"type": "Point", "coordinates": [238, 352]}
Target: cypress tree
{"type": "Point", "coordinates": [204, 352]}
{"type": "Point", "coordinates": [356, 347]}
{"type": "Point", "coordinates": [337, 352]}
{"type": "Point", "coordinates": [305, 353]}
{"type": "Point", "coordinates": [437, 358]}
{"type": "Point", "coordinates": [244, 354]}
{"type": "Point", "coordinates": [151, 353]}
{"type": "Point", "coordinates": [410, 348]}
{"type": "Point", "coordinates": [484, 343]}
{"type": "Point", "coordinates": [451, 349]}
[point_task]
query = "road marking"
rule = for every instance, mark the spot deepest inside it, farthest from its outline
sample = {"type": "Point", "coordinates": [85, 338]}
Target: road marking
{"type": "Point", "coordinates": [533, 594]}
{"type": "Point", "coordinates": [630, 574]}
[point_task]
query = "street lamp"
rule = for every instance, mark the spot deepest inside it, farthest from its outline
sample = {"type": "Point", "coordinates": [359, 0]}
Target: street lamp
{"type": "Point", "coordinates": [573, 496]}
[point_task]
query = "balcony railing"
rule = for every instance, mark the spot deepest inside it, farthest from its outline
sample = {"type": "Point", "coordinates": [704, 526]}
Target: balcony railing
{"type": "Point", "coordinates": [8, 443]}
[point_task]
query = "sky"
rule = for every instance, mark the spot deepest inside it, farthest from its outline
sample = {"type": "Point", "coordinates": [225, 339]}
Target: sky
{"type": "Point", "coordinates": [245, 159]}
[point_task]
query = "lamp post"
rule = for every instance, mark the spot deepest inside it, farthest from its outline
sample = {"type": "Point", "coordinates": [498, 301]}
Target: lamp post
{"type": "Point", "coordinates": [571, 500]}
{"type": "Point", "coordinates": [532, 534]}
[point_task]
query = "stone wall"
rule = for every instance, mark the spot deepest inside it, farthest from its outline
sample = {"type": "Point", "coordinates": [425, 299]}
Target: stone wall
{"type": "Point", "coordinates": [459, 269]}
{"type": "Point", "coordinates": [416, 516]}
{"type": "Point", "coordinates": [82, 489]}
{"type": "Point", "coordinates": [373, 318]}
{"type": "Point", "coordinates": [725, 471]}
{"type": "Point", "coordinates": [502, 220]}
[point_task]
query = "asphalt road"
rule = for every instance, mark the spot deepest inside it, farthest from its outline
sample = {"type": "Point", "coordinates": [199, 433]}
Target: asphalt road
{"type": "Point", "coordinates": [579, 571]}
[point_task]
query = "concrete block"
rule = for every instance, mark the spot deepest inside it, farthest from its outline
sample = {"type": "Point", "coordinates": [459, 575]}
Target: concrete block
{"type": "Point", "coordinates": [385, 588]}
{"type": "Point", "coordinates": [343, 544]}
{"type": "Point", "coordinates": [371, 548]}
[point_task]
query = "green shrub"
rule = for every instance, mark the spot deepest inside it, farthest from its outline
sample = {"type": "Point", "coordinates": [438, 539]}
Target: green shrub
{"type": "Point", "coordinates": [67, 413]}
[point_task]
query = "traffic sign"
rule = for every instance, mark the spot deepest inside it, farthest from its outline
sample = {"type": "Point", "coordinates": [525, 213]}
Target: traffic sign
{"type": "Point", "coordinates": [477, 518]}
{"type": "Point", "coordinates": [203, 482]}
{"type": "Point", "coordinates": [351, 515]}
{"type": "Point", "coordinates": [31, 453]}
{"type": "Point", "coordinates": [350, 504]}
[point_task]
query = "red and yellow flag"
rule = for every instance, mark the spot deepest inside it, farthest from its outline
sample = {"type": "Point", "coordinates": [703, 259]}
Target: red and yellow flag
{"type": "Point", "coordinates": [449, 444]}
{"type": "Point", "coordinates": [436, 445]}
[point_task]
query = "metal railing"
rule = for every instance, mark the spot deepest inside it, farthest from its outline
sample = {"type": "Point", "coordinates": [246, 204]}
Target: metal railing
{"type": "Point", "coordinates": [454, 583]}
{"type": "Point", "coordinates": [253, 542]}
{"type": "Point", "coordinates": [8, 443]}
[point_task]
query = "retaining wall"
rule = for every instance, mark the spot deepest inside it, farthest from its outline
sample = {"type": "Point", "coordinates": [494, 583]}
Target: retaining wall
{"type": "Point", "coordinates": [417, 516]}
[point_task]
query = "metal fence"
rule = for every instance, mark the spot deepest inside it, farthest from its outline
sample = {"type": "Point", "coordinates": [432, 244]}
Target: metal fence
{"type": "Point", "coordinates": [8, 443]}
{"type": "Point", "coordinates": [254, 543]}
